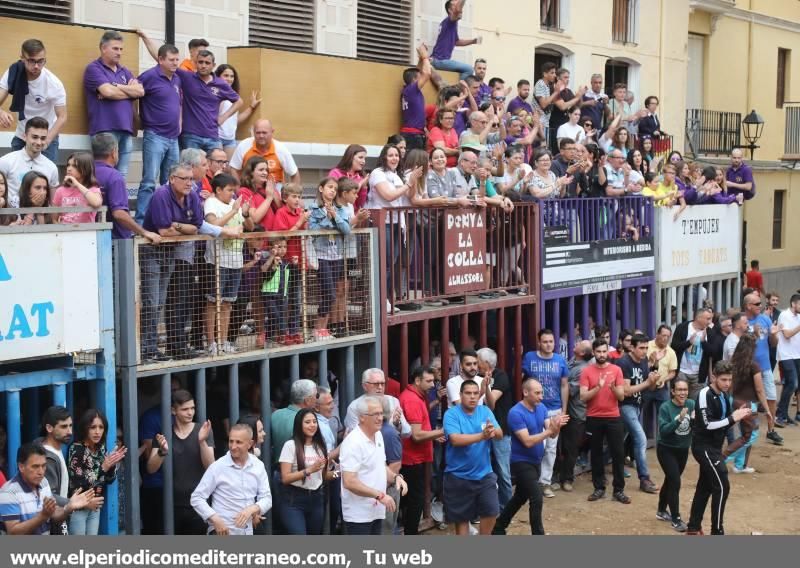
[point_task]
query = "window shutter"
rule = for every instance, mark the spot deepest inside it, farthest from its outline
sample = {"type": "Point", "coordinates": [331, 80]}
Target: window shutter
{"type": "Point", "coordinates": [47, 10]}
{"type": "Point", "coordinates": [384, 30]}
{"type": "Point", "coordinates": [282, 24]}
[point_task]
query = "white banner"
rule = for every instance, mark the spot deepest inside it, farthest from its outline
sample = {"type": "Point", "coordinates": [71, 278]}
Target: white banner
{"type": "Point", "coordinates": [49, 294]}
{"type": "Point", "coordinates": [705, 241]}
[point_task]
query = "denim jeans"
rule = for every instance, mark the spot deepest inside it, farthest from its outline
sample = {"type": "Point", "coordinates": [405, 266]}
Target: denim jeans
{"type": "Point", "coordinates": [51, 152]}
{"type": "Point", "coordinates": [84, 522]}
{"type": "Point", "coordinates": [303, 511]}
{"type": "Point", "coordinates": [201, 142]}
{"type": "Point", "coordinates": [501, 449]}
{"type": "Point", "coordinates": [791, 371]}
{"type": "Point", "coordinates": [158, 154]}
{"type": "Point", "coordinates": [125, 143]}
{"type": "Point", "coordinates": [549, 458]}
{"type": "Point", "coordinates": [372, 528]}
{"type": "Point", "coordinates": [630, 416]}
{"type": "Point", "coordinates": [156, 265]}
{"type": "Point", "coordinates": [463, 69]}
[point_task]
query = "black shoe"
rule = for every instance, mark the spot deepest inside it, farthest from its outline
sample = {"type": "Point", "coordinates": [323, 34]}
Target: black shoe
{"type": "Point", "coordinates": [775, 438]}
{"type": "Point", "coordinates": [621, 497]}
{"type": "Point", "coordinates": [597, 495]}
{"type": "Point", "coordinates": [409, 307]}
{"type": "Point", "coordinates": [463, 300]}
{"type": "Point", "coordinates": [498, 531]}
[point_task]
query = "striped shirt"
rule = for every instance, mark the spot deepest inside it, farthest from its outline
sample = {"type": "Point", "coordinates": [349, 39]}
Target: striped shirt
{"type": "Point", "coordinates": [21, 502]}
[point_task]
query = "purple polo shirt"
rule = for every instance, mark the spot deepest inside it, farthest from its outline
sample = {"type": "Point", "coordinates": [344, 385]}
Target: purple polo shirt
{"type": "Point", "coordinates": [115, 196]}
{"type": "Point", "coordinates": [412, 104]}
{"type": "Point", "coordinates": [446, 41]}
{"type": "Point", "coordinates": [107, 114]}
{"type": "Point", "coordinates": [518, 103]}
{"type": "Point", "coordinates": [201, 103]}
{"type": "Point", "coordinates": [484, 94]}
{"type": "Point", "coordinates": [160, 107]}
{"type": "Point", "coordinates": [462, 119]}
{"type": "Point", "coordinates": [741, 175]}
{"type": "Point", "coordinates": [165, 210]}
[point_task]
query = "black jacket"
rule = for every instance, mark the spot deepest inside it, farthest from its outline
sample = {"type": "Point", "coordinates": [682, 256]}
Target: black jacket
{"type": "Point", "coordinates": [648, 125]}
{"type": "Point", "coordinates": [711, 419]}
{"type": "Point", "coordinates": [680, 343]}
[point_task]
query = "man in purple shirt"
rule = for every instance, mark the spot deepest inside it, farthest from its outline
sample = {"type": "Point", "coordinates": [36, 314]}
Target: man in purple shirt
{"type": "Point", "coordinates": [484, 90]}
{"type": "Point", "coordinates": [448, 39]}
{"type": "Point", "coordinates": [160, 112]}
{"type": "Point", "coordinates": [412, 101]}
{"type": "Point", "coordinates": [739, 177]}
{"type": "Point", "coordinates": [110, 89]}
{"type": "Point", "coordinates": [521, 100]}
{"type": "Point", "coordinates": [115, 194]}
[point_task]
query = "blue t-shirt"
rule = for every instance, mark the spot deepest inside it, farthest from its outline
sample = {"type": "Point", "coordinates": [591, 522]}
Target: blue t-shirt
{"type": "Point", "coordinates": [149, 426]}
{"type": "Point", "coordinates": [549, 372]}
{"type": "Point", "coordinates": [762, 340]}
{"type": "Point", "coordinates": [392, 444]}
{"type": "Point", "coordinates": [519, 417]}
{"type": "Point", "coordinates": [474, 461]}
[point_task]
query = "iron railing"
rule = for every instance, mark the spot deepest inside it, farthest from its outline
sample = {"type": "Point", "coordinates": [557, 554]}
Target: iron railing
{"type": "Point", "coordinates": [712, 131]}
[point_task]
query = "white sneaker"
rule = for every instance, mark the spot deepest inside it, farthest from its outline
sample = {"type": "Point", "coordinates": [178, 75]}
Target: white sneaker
{"type": "Point", "coordinates": [228, 347]}
{"type": "Point", "coordinates": [212, 349]}
{"type": "Point", "coordinates": [390, 310]}
{"type": "Point", "coordinates": [473, 530]}
{"type": "Point", "coordinates": [437, 510]}
{"type": "Point", "coordinates": [744, 470]}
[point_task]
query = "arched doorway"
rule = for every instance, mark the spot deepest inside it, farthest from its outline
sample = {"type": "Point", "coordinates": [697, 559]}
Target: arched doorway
{"type": "Point", "coordinates": [622, 70]}
{"type": "Point", "coordinates": [559, 55]}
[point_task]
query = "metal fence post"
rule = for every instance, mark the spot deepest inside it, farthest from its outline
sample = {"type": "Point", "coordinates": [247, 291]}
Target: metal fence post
{"type": "Point", "coordinates": [167, 467]}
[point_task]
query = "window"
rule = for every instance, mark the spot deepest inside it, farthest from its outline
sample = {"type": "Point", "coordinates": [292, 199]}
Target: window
{"type": "Point", "coordinates": [625, 21]}
{"type": "Point", "coordinates": [384, 31]}
{"type": "Point", "coordinates": [550, 11]}
{"type": "Point", "coordinates": [784, 64]}
{"type": "Point", "coordinates": [777, 218]}
{"type": "Point", "coordinates": [282, 24]}
{"type": "Point", "coordinates": [47, 10]}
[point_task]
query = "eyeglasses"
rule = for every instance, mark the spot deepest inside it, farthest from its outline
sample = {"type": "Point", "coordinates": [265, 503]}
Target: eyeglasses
{"type": "Point", "coordinates": [755, 303]}
{"type": "Point", "coordinates": [499, 99]}
{"type": "Point", "coordinates": [374, 414]}
{"type": "Point", "coordinates": [223, 162]}
{"type": "Point", "coordinates": [183, 178]}
{"type": "Point", "coordinates": [587, 124]}
{"type": "Point", "coordinates": [376, 383]}
{"type": "Point", "coordinates": [36, 62]}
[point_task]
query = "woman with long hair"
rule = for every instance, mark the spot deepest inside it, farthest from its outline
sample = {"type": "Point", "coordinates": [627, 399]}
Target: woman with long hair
{"type": "Point", "coordinates": [748, 390]}
{"type": "Point", "coordinates": [672, 450]}
{"type": "Point", "coordinates": [258, 189]}
{"type": "Point", "coordinates": [5, 219]}
{"type": "Point", "coordinates": [33, 192]}
{"type": "Point", "coordinates": [79, 189]}
{"type": "Point", "coordinates": [90, 467]}
{"type": "Point", "coordinates": [303, 462]}
{"type": "Point", "coordinates": [517, 173]}
{"type": "Point", "coordinates": [352, 166]}
{"type": "Point", "coordinates": [227, 130]}
{"type": "Point", "coordinates": [444, 136]}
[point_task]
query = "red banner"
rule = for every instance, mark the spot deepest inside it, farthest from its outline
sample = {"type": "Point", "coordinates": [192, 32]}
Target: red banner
{"type": "Point", "coordinates": [464, 251]}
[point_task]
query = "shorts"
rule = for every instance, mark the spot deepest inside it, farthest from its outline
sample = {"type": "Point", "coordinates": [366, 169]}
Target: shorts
{"type": "Point", "coordinates": [465, 499]}
{"type": "Point", "coordinates": [771, 392]}
{"type": "Point", "coordinates": [229, 279]}
{"type": "Point", "coordinates": [228, 143]}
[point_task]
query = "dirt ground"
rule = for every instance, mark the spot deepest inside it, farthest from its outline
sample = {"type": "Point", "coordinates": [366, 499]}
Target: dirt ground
{"type": "Point", "coordinates": [766, 502]}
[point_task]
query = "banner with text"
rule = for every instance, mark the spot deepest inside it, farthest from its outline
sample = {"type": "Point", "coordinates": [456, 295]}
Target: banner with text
{"type": "Point", "coordinates": [464, 251]}
{"type": "Point", "coordinates": [705, 241]}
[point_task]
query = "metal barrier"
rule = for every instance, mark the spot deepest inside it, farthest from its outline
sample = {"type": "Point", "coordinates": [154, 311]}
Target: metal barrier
{"type": "Point", "coordinates": [57, 330]}
{"type": "Point", "coordinates": [712, 131]}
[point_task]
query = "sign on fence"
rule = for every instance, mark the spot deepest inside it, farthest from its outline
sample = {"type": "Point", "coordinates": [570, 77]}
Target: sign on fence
{"type": "Point", "coordinates": [49, 296]}
{"type": "Point", "coordinates": [705, 241]}
{"type": "Point", "coordinates": [464, 251]}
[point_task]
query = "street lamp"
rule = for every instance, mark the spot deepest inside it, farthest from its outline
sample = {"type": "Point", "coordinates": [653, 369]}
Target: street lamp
{"type": "Point", "coordinates": [753, 126]}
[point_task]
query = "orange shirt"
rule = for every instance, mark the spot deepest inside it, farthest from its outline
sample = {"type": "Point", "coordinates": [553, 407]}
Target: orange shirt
{"type": "Point", "coordinates": [270, 156]}
{"type": "Point", "coordinates": [187, 65]}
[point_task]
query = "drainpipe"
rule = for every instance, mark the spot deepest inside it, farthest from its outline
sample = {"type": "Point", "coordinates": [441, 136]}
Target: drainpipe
{"type": "Point", "coordinates": [169, 21]}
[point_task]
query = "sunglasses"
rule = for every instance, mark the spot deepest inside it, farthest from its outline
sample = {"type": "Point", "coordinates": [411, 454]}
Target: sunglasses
{"type": "Point", "coordinates": [499, 99]}
{"type": "Point", "coordinates": [587, 124]}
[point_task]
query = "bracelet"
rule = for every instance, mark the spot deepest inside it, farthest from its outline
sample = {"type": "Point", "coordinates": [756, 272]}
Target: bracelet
{"type": "Point", "coordinates": [162, 453]}
{"type": "Point", "coordinates": [380, 497]}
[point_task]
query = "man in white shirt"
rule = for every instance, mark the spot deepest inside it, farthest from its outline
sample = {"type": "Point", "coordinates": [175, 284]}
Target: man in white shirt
{"type": "Point", "coordinates": [236, 478]}
{"type": "Point", "coordinates": [738, 329]}
{"type": "Point", "coordinates": [15, 165]}
{"type": "Point", "coordinates": [469, 372]}
{"type": "Point", "coordinates": [788, 357]}
{"type": "Point", "coordinates": [373, 381]}
{"type": "Point", "coordinates": [45, 97]}
{"type": "Point", "coordinates": [365, 475]}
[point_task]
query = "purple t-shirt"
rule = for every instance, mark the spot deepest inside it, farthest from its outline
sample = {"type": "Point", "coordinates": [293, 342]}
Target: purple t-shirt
{"type": "Point", "coordinates": [107, 114]}
{"type": "Point", "coordinates": [741, 175]}
{"type": "Point", "coordinates": [160, 107]}
{"type": "Point", "coordinates": [115, 196]}
{"type": "Point", "coordinates": [201, 103]}
{"type": "Point", "coordinates": [484, 94]}
{"type": "Point", "coordinates": [412, 104]}
{"type": "Point", "coordinates": [462, 118]}
{"type": "Point", "coordinates": [446, 41]}
{"type": "Point", "coordinates": [165, 210]}
{"type": "Point", "coordinates": [518, 103]}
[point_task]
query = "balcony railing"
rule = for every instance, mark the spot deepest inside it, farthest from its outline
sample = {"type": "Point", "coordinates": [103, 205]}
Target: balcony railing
{"type": "Point", "coordinates": [712, 132]}
{"type": "Point", "coordinates": [550, 11]}
{"type": "Point", "coordinates": [791, 140]}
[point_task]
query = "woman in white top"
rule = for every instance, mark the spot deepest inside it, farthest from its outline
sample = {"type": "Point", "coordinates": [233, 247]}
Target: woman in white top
{"type": "Point", "coordinates": [227, 130]}
{"type": "Point", "coordinates": [544, 184]}
{"type": "Point", "coordinates": [572, 129]}
{"type": "Point", "coordinates": [303, 462]}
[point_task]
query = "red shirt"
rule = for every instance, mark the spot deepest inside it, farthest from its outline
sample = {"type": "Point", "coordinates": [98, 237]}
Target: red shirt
{"type": "Point", "coordinates": [256, 198]}
{"type": "Point", "coordinates": [393, 387]}
{"type": "Point", "coordinates": [604, 404]}
{"type": "Point", "coordinates": [415, 409]}
{"type": "Point", "coordinates": [450, 141]}
{"type": "Point", "coordinates": [754, 280]}
{"type": "Point", "coordinates": [285, 220]}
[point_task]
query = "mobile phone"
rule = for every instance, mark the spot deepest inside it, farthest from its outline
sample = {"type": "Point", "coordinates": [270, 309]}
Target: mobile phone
{"type": "Point", "coordinates": [754, 407]}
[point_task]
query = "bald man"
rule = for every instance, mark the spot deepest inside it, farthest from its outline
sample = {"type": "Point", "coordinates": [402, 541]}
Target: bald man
{"type": "Point", "coordinates": [739, 177]}
{"type": "Point", "coordinates": [262, 143]}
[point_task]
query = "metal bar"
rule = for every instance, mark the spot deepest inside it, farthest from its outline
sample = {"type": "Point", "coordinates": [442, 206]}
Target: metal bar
{"type": "Point", "coordinates": [167, 470]}
{"type": "Point", "coordinates": [60, 394]}
{"type": "Point", "coordinates": [425, 348]}
{"type": "Point", "coordinates": [445, 348]}
{"type": "Point", "coordinates": [294, 367]}
{"type": "Point", "coordinates": [639, 307]}
{"type": "Point", "coordinates": [571, 339]}
{"type": "Point", "coordinates": [483, 338]}
{"type": "Point", "coordinates": [612, 312]}
{"type": "Point", "coordinates": [13, 429]}
{"type": "Point", "coordinates": [404, 357]}
{"type": "Point", "coordinates": [679, 306]}
{"type": "Point", "coordinates": [626, 307]}
{"type": "Point", "coordinates": [200, 398]}
{"type": "Point", "coordinates": [501, 338]}
{"type": "Point", "coordinates": [322, 362]}
{"type": "Point", "coordinates": [233, 393]}
{"type": "Point", "coordinates": [130, 433]}
{"type": "Point", "coordinates": [350, 374]}
{"type": "Point", "coordinates": [266, 420]}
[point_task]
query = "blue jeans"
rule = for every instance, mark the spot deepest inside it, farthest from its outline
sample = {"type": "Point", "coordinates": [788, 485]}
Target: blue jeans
{"type": "Point", "coordinates": [630, 416]}
{"type": "Point", "coordinates": [51, 152]}
{"type": "Point", "coordinates": [791, 372]}
{"type": "Point", "coordinates": [501, 449]}
{"type": "Point", "coordinates": [84, 522]}
{"type": "Point", "coordinates": [156, 265]}
{"type": "Point", "coordinates": [303, 511]}
{"type": "Point", "coordinates": [158, 154]}
{"type": "Point", "coordinates": [201, 142]}
{"type": "Point", "coordinates": [463, 69]}
{"type": "Point", "coordinates": [125, 143]}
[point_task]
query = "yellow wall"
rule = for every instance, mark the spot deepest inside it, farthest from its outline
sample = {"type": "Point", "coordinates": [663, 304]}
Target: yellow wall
{"type": "Point", "coordinates": [69, 49]}
{"type": "Point", "coordinates": [758, 213]}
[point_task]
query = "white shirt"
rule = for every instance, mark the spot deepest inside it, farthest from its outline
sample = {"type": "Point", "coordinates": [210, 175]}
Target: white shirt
{"type": "Point", "coordinates": [375, 201]}
{"type": "Point", "coordinates": [15, 165]}
{"type": "Point", "coordinates": [284, 157]}
{"type": "Point", "coordinates": [729, 346]}
{"type": "Point", "coordinates": [44, 94]}
{"type": "Point", "coordinates": [574, 131]}
{"type": "Point", "coordinates": [690, 362]}
{"type": "Point", "coordinates": [228, 129]}
{"type": "Point", "coordinates": [367, 459]}
{"type": "Point", "coordinates": [232, 488]}
{"type": "Point", "coordinates": [454, 389]}
{"type": "Point", "coordinates": [788, 348]}
{"type": "Point", "coordinates": [231, 254]}
{"type": "Point", "coordinates": [288, 455]}
{"type": "Point", "coordinates": [351, 419]}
